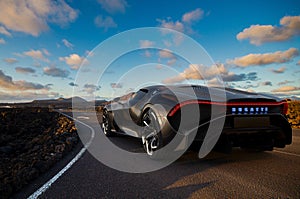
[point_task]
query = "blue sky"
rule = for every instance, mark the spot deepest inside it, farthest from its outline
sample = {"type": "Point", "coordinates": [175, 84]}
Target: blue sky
{"type": "Point", "coordinates": [254, 44]}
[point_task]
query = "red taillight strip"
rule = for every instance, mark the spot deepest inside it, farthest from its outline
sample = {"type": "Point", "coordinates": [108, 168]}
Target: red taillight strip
{"type": "Point", "coordinates": [285, 107]}
{"type": "Point", "coordinates": [178, 106]}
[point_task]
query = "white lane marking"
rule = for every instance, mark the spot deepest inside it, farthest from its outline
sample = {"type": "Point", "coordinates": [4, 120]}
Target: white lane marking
{"type": "Point", "coordinates": [83, 117]}
{"type": "Point", "coordinates": [287, 153]}
{"type": "Point", "coordinates": [47, 185]}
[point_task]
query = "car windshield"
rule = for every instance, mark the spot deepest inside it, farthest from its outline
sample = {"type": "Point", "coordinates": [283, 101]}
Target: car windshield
{"type": "Point", "coordinates": [137, 96]}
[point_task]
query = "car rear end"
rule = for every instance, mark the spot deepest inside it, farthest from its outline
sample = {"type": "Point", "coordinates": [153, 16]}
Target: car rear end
{"type": "Point", "coordinates": [249, 121]}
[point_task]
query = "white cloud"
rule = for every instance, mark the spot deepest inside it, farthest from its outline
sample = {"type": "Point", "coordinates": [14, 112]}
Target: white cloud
{"type": "Point", "coordinates": [55, 72]}
{"type": "Point", "coordinates": [2, 41]}
{"type": "Point", "coordinates": [264, 59]}
{"type": "Point", "coordinates": [32, 17]}
{"type": "Point", "coordinates": [37, 54]}
{"type": "Point", "coordinates": [10, 60]}
{"type": "Point", "coordinates": [192, 16]}
{"type": "Point", "coordinates": [114, 6]}
{"type": "Point", "coordinates": [74, 61]}
{"type": "Point", "coordinates": [105, 22]}
{"type": "Point", "coordinates": [67, 44]}
{"type": "Point", "coordinates": [259, 34]}
{"type": "Point", "coordinates": [284, 89]}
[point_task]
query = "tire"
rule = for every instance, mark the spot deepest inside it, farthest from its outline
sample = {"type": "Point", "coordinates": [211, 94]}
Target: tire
{"type": "Point", "coordinates": [106, 124]}
{"type": "Point", "coordinates": [152, 137]}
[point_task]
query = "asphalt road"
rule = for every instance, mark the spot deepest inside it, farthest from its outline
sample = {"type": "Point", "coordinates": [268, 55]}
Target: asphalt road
{"type": "Point", "coordinates": [240, 174]}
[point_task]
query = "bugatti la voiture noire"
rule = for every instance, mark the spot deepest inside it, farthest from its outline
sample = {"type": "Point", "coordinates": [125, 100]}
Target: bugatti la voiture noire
{"type": "Point", "coordinates": [156, 114]}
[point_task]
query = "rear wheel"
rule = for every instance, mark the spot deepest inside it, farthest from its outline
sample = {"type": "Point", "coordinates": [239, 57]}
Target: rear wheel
{"type": "Point", "coordinates": [152, 137]}
{"type": "Point", "coordinates": [106, 124]}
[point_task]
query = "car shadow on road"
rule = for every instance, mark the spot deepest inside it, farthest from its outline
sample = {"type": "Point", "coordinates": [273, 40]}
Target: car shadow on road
{"type": "Point", "coordinates": [181, 178]}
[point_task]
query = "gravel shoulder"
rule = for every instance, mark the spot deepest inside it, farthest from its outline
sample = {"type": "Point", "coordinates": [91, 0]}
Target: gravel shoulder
{"type": "Point", "coordinates": [32, 141]}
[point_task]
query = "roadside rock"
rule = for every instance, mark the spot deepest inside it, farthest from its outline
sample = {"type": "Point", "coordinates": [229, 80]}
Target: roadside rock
{"type": "Point", "coordinates": [32, 140]}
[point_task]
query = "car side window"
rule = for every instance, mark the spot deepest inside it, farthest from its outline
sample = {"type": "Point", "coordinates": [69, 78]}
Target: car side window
{"type": "Point", "coordinates": [137, 96]}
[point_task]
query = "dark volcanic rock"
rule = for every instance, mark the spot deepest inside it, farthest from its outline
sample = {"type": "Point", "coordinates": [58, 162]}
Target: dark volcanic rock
{"type": "Point", "coordinates": [6, 149]}
{"type": "Point", "coordinates": [31, 141]}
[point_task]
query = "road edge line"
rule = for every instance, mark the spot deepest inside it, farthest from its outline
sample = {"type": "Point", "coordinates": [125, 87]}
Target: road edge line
{"type": "Point", "coordinates": [287, 153]}
{"type": "Point", "coordinates": [48, 184]}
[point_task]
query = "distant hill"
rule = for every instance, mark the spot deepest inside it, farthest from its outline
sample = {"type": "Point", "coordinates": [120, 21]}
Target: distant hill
{"type": "Point", "coordinates": [56, 103]}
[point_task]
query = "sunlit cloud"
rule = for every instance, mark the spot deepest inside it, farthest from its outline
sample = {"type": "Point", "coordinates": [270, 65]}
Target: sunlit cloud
{"type": "Point", "coordinates": [165, 54]}
{"type": "Point", "coordinates": [177, 25]}
{"type": "Point", "coordinates": [37, 54]}
{"type": "Point", "coordinates": [74, 61]}
{"type": "Point", "coordinates": [10, 60]}
{"type": "Point", "coordinates": [192, 16]}
{"type": "Point", "coordinates": [114, 6]}
{"type": "Point", "coordinates": [259, 34]}
{"type": "Point", "coordinates": [284, 89]}
{"type": "Point", "coordinates": [105, 22]}
{"type": "Point", "coordinates": [7, 83]}
{"type": "Point", "coordinates": [172, 61]}
{"type": "Point", "coordinates": [264, 59]}
{"type": "Point", "coordinates": [200, 72]}
{"type": "Point", "coordinates": [55, 72]}
{"type": "Point", "coordinates": [4, 31]}
{"type": "Point", "coordinates": [279, 70]}
{"type": "Point", "coordinates": [24, 70]}
{"type": "Point", "coordinates": [185, 23]}
{"type": "Point", "coordinates": [32, 17]}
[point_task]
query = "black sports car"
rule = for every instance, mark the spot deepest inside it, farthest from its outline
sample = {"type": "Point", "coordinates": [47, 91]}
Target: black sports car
{"type": "Point", "coordinates": [156, 114]}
